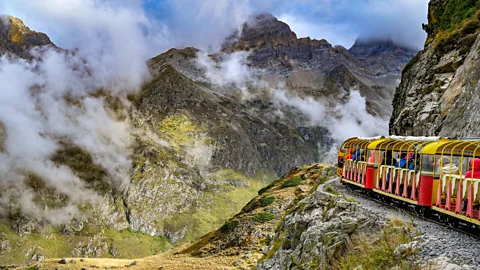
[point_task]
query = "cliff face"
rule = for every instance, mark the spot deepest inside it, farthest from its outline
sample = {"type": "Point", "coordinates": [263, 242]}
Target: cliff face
{"type": "Point", "coordinates": [439, 93]}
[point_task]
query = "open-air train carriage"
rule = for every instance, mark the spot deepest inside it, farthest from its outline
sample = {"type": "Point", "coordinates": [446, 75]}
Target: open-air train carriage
{"type": "Point", "coordinates": [428, 173]}
{"type": "Point", "coordinates": [352, 165]}
{"type": "Point", "coordinates": [456, 179]}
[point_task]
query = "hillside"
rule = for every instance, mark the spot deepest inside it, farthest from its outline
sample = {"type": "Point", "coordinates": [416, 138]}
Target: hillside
{"type": "Point", "coordinates": [439, 90]}
{"type": "Point", "coordinates": [187, 151]}
{"type": "Point", "coordinates": [292, 224]}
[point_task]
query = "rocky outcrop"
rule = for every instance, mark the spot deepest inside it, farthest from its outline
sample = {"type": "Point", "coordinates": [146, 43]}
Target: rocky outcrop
{"type": "Point", "coordinates": [439, 93]}
{"type": "Point", "coordinates": [18, 39]}
{"type": "Point", "coordinates": [296, 223]}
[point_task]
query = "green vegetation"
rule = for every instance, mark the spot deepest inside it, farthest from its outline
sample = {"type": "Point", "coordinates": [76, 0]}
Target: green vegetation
{"type": "Point", "coordinates": [352, 200]}
{"type": "Point", "coordinates": [127, 244]}
{"type": "Point", "coordinates": [330, 189]}
{"type": "Point", "coordinates": [266, 201]}
{"type": "Point", "coordinates": [378, 252]}
{"type": "Point", "coordinates": [263, 217]}
{"type": "Point", "coordinates": [229, 226]}
{"type": "Point", "coordinates": [293, 182]}
{"type": "Point", "coordinates": [451, 16]}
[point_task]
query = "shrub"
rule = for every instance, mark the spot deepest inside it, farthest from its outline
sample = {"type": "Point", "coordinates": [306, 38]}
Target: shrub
{"type": "Point", "coordinates": [295, 181]}
{"type": "Point", "coordinates": [266, 201]}
{"type": "Point", "coordinates": [229, 226]}
{"type": "Point", "coordinates": [263, 217]}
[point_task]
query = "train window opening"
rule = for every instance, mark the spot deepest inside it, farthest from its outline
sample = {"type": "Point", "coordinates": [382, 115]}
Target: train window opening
{"type": "Point", "coordinates": [446, 164]}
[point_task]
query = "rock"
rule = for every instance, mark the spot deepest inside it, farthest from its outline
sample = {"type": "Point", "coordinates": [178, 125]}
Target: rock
{"type": "Point", "coordinates": [439, 92]}
{"type": "Point", "coordinates": [63, 261]}
{"type": "Point", "coordinates": [405, 249]}
{"type": "Point", "coordinates": [73, 262]}
{"type": "Point", "coordinates": [239, 262]}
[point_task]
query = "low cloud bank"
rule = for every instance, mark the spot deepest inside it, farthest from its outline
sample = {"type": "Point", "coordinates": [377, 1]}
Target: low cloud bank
{"type": "Point", "coordinates": [343, 120]}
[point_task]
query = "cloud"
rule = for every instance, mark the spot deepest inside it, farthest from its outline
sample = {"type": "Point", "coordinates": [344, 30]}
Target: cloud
{"type": "Point", "coordinates": [49, 100]}
{"type": "Point", "coordinates": [334, 33]}
{"type": "Point", "coordinates": [205, 24]}
{"type": "Point", "coordinates": [343, 120]}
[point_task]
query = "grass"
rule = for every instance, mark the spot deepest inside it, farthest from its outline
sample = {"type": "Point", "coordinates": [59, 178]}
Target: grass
{"type": "Point", "coordinates": [266, 201]}
{"type": "Point", "coordinates": [352, 200]}
{"type": "Point", "coordinates": [128, 244]}
{"type": "Point", "coordinates": [293, 182]}
{"type": "Point", "coordinates": [330, 189]}
{"type": "Point", "coordinates": [263, 217]}
{"type": "Point", "coordinates": [378, 252]}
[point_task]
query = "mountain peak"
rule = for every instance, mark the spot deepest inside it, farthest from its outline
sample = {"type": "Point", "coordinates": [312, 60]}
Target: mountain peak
{"type": "Point", "coordinates": [375, 47]}
{"type": "Point", "coordinates": [260, 28]}
{"type": "Point", "coordinates": [17, 38]}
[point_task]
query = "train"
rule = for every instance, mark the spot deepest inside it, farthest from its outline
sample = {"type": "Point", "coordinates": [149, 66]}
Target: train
{"type": "Point", "coordinates": [434, 176]}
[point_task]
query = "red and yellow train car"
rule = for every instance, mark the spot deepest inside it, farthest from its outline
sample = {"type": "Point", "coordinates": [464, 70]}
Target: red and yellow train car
{"type": "Point", "coordinates": [437, 176]}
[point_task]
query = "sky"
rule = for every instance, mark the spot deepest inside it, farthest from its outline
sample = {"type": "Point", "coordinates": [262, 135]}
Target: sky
{"type": "Point", "coordinates": [205, 23]}
{"type": "Point", "coordinates": [338, 21]}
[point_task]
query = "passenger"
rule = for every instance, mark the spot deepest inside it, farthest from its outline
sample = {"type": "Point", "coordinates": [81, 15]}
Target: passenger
{"type": "Point", "coordinates": [350, 153]}
{"type": "Point", "coordinates": [446, 167]}
{"type": "Point", "coordinates": [403, 161]}
{"type": "Point", "coordinates": [389, 159]}
{"type": "Point", "coordinates": [357, 156]}
{"type": "Point", "coordinates": [414, 163]}
{"type": "Point", "coordinates": [475, 173]}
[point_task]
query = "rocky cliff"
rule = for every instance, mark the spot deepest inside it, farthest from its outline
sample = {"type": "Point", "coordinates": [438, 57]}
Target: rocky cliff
{"type": "Point", "coordinates": [18, 39]}
{"type": "Point", "coordinates": [200, 148]}
{"type": "Point", "coordinates": [438, 94]}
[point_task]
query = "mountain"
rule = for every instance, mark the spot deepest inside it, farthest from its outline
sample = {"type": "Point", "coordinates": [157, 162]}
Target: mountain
{"type": "Point", "coordinates": [207, 132]}
{"type": "Point", "coordinates": [439, 93]}
{"type": "Point", "coordinates": [18, 39]}
{"type": "Point", "coordinates": [316, 68]}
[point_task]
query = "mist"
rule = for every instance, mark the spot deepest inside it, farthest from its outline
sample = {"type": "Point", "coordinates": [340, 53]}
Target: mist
{"type": "Point", "coordinates": [49, 102]}
{"type": "Point", "coordinates": [343, 120]}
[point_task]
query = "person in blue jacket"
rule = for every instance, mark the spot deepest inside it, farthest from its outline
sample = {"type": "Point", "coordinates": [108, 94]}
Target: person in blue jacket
{"type": "Point", "coordinates": [357, 155]}
{"type": "Point", "coordinates": [413, 163]}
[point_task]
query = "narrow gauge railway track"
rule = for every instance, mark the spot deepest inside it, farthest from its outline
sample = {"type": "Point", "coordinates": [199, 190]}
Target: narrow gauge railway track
{"type": "Point", "coordinates": [410, 210]}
